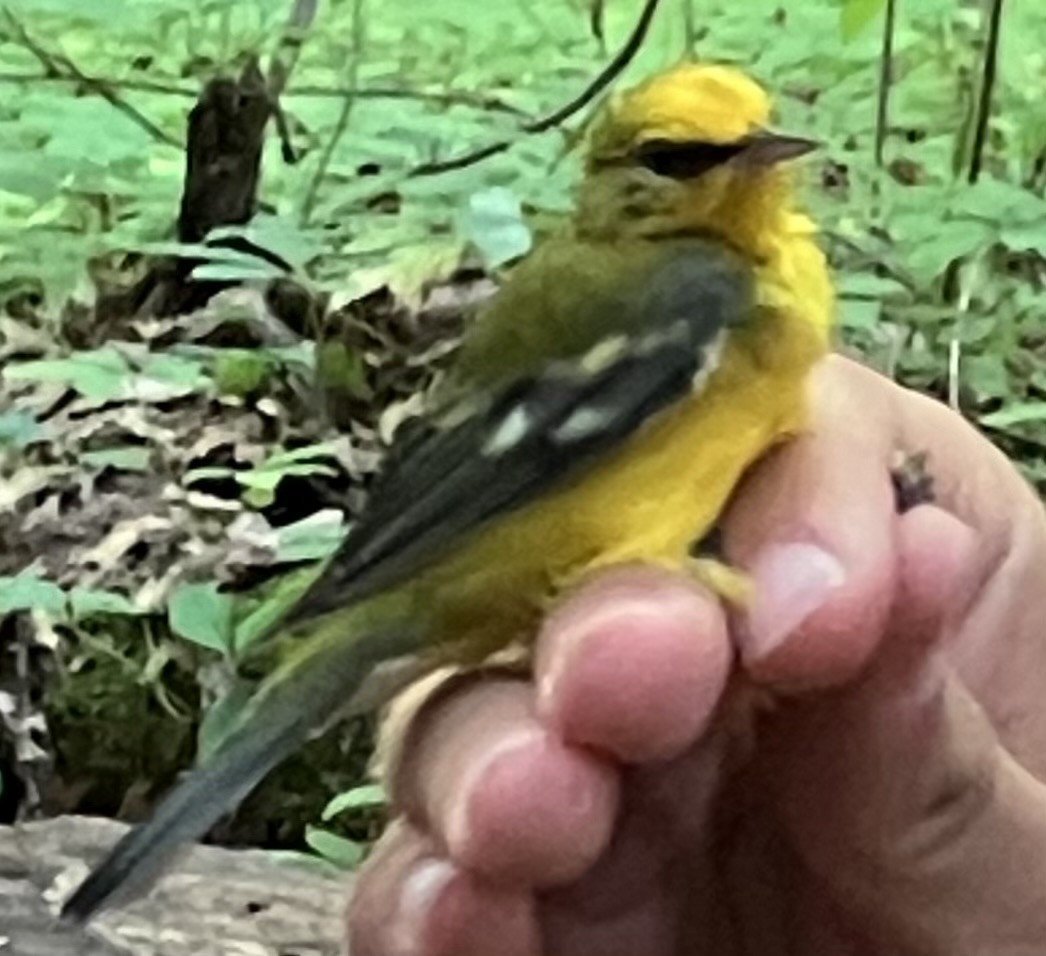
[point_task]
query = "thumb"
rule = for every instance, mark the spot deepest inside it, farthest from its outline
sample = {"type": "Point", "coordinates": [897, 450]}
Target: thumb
{"type": "Point", "coordinates": [815, 525]}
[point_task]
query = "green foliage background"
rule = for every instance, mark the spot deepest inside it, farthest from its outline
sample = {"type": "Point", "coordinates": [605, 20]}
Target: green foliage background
{"type": "Point", "coordinates": [941, 281]}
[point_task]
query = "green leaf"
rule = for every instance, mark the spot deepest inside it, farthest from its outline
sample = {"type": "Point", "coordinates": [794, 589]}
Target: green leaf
{"type": "Point", "coordinates": [305, 861]}
{"type": "Point", "coordinates": [86, 603]}
{"type": "Point", "coordinates": [494, 225]}
{"type": "Point", "coordinates": [202, 614]}
{"type": "Point", "coordinates": [19, 429]}
{"type": "Point", "coordinates": [165, 377]}
{"type": "Point", "coordinates": [261, 482]}
{"type": "Point", "coordinates": [315, 536]}
{"type": "Point", "coordinates": [855, 15]}
{"type": "Point", "coordinates": [1025, 237]}
{"type": "Point", "coordinates": [241, 371]}
{"type": "Point", "coordinates": [258, 270]}
{"type": "Point", "coordinates": [282, 237]}
{"type": "Point", "coordinates": [30, 592]}
{"type": "Point", "coordinates": [929, 259]}
{"type": "Point", "coordinates": [340, 368]}
{"type": "Point", "coordinates": [859, 313]}
{"type": "Point", "coordinates": [346, 854]}
{"type": "Point", "coordinates": [367, 797]}
{"type": "Point", "coordinates": [130, 458]}
{"type": "Point", "coordinates": [1019, 413]}
{"type": "Point", "coordinates": [867, 285]}
{"type": "Point", "coordinates": [101, 375]}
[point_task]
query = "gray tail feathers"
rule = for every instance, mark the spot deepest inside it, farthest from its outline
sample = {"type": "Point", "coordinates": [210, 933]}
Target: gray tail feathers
{"type": "Point", "coordinates": [296, 701]}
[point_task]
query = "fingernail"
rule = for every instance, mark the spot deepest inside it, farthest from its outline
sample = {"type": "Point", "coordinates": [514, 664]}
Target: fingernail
{"type": "Point", "coordinates": [791, 582]}
{"type": "Point", "coordinates": [420, 890]}
{"type": "Point", "coordinates": [460, 813]}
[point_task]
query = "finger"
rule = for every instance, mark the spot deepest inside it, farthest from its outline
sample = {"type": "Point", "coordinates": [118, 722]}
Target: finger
{"type": "Point", "coordinates": [999, 651]}
{"type": "Point", "coordinates": [501, 793]}
{"type": "Point", "coordinates": [633, 664]}
{"type": "Point", "coordinates": [840, 757]}
{"type": "Point", "coordinates": [659, 866]}
{"type": "Point", "coordinates": [815, 527]}
{"type": "Point", "coordinates": [407, 899]}
{"type": "Point", "coordinates": [896, 790]}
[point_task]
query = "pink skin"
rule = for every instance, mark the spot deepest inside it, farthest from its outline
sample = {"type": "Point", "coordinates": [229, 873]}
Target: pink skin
{"type": "Point", "coordinates": [855, 768]}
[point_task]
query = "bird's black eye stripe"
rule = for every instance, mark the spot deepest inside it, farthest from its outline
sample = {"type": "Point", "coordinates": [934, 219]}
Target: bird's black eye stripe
{"type": "Point", "coordinates": [675, 160]}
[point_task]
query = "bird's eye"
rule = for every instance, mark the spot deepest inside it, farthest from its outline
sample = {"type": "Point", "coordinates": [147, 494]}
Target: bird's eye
{"type": "Point", "coordinates": [675, 160]}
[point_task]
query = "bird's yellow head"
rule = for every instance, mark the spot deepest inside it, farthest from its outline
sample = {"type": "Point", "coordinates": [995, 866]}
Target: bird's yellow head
{"type": "Point", "coordinates": [688, 151]}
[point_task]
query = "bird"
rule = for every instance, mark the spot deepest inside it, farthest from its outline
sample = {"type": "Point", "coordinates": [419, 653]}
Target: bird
{"type": "Point", "coordinates": [601, 409]}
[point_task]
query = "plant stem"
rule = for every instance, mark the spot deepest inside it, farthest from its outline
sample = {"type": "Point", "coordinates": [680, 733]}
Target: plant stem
{"type": "Point", "coordinates": [882, 118]}
{"type": "Point", "coordinates": [343, 117]}
{"type": "Point", "coordinates": [984, 105]}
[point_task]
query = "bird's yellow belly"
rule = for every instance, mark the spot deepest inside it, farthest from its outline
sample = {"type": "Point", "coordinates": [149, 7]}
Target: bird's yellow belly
{"type": "Point", "coordinates": [648, 501]}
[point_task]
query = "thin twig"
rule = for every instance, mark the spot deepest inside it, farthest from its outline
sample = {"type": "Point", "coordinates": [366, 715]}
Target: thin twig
{"type": "Point", "coordinates": [984, 104]}
{"type": "Point", "coordinates": [282, 64]}
{"type": "Point", "coordinates": [132, 85]}
{"type": "Point", "coordinates": [882, 118]}
{"type": "Point", "coordinates": [487, 103]}
{"type": "Point", "coordinates": [479, 101]}
{"type": "Point", "coordinates": [56, 64]}
{"type": "Point", "coordinates": [342, 124]}
{"type": "Point", "coordinates": [689, 28]}
{"type": "Point", "coordinates": [606, 76]}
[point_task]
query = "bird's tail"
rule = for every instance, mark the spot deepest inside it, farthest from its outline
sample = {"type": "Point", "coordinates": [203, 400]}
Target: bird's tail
{"type": "Point", "coordinates": [297, 699]}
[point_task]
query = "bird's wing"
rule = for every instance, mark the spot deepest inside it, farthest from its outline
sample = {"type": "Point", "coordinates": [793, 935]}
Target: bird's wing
{"type": "Point", "coordinates": [489, 454]}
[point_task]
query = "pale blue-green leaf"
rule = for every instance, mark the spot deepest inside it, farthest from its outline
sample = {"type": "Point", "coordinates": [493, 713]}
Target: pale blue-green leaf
{"type": "Point", "coordinates": [304, 453]}
{"type": "Point", "coordinates": [313, 537]}
{"type": "Point", "coordinates": [100, 375]}
{"type": "Point", "coordinates": [306, 861]}
{"type": "Point", "coordinates": [986, 374]}
{"type": "Point", "coordinates": [202, 614]}
{"type": "Point", "coordinates": [133, 458]}
{"type": "Point", "coordinates": [277, 235]}
{"type": "Point", "coordinates": [998, 201]}
{"type": "Point", "coordinates": [1018, 413]}
{"type": "Point", "coordinates": [30, 592]}
{"type": "Point", "coordinates": [494, 225]}
{"type": "Point", "coordinates": [929, 258]}
{"type": "Point", "coordinates": [212, 473]}
{"type": "Point", "coordinates": [867, 285]}
{"type": "Point", "coordinates": [859, 313]}
{"type": "Point", "coordinates": [175, 375]}
{"type": "Point", "coordinates": [346, 854]}
{"type": "Point", "coordinates": [19, 428]}
{"type": "Point", "coordinates": [267, 477]}
{"type": "Point", "coordinates": [367, 797]}
{"type": "Point", "coordinates": [255, 271]}
{"type": "Point", "coordinates": [1025, 237]}
{"type": "Point", "coordinates": [89, 602]}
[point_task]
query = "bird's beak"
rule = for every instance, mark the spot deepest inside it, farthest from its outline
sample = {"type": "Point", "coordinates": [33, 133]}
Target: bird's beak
{"type": "Point", "coordinates": [768, 149]}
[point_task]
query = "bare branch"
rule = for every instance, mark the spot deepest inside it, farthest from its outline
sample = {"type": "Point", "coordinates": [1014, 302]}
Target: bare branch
{"type": "Point", "coordinates": [479, 101]}
{"type": "Point", "coordinates": [57, 64]}
{"type": "Point", "coordinates": [984, 104]}
{"type": "Point", "coordinates": [545, 123]}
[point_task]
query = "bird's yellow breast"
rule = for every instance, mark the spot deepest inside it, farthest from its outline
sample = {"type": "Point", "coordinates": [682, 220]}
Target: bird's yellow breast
{"type": "Point", "coordinates": [648, 500]}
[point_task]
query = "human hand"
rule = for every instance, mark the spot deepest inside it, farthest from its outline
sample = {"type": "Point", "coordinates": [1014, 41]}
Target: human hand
{"type": "Point", "coordinates": [880, 792]}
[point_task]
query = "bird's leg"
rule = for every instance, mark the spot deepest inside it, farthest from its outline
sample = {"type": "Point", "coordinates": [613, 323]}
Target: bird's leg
{"type": "Point", "coordinates": [709, 568]}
